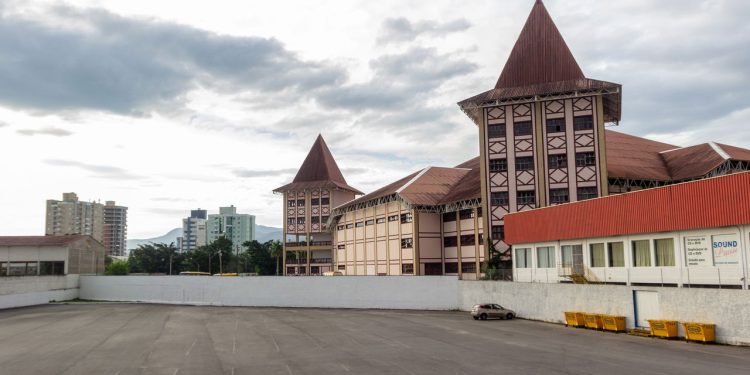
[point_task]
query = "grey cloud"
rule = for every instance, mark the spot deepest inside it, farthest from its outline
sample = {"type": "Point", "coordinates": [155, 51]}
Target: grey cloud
{"type": "Point", "coordinates": [249, 173]}
{"type": "Point", "coordinates": [134, 66]}
{"type": "Point", "coordinates": [3, 124]}
{"type": "Point", "coordinates": [399, 79]}
{"type": "Point", "coordinates": [394, 30]}
{"type": "Point", "coordinates": [169, 211]}
{"type": "Point", "coordinates": [56, 132]}
{"type": "Point", "coordinates": [100, 171]}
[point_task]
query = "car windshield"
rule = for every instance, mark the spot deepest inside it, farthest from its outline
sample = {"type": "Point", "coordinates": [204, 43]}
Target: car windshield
{"type": "Point", "coordinates": [498, 307]}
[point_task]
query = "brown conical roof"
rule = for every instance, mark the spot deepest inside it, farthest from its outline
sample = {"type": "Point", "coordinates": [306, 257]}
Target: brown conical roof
{"type": "Point", "coordinates": [540, 54]}
{"type": "Point", "coordinates": [319, 170]}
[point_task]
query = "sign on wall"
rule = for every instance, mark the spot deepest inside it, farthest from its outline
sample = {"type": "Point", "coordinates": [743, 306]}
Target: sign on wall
{"type": "Point", "coordinates": [698, 252]}
{"type": "Point", "coordinates": [726, 249]}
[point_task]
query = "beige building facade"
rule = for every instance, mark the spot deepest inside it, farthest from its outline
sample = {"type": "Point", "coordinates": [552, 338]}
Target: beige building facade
{"type": "Point", "coordinates": [70, 216]}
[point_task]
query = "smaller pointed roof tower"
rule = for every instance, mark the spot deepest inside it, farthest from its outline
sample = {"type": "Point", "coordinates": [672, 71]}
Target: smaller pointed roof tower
{"type": "Point", "coordinates": [541, 65]}
{"type": "Point", "coordinates": [319, 171]}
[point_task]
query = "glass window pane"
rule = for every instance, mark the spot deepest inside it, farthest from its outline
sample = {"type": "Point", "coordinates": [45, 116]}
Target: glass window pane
{"type": "Point", "coordinates": [616, 254]}
{"type": "Point", "coordinates": [597, 254]}
{"type": "Point", "coordinates": [641, 253]}
{"type": "Point", "coordinates": [664, 249]}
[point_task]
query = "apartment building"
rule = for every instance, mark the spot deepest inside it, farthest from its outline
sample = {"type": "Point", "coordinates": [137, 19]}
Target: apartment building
{"type": "Point", "coordinates": [115, 228]}
{"type": "Point", "coordinates": [193, 231]}
{"type": "Point", "coordinates": [70, 216]}
{"type": "Point", "coordinates": [239, 228]}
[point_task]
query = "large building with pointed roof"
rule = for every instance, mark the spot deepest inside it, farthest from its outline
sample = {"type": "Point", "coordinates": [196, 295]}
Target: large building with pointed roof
{"type": "Point", "coordinates": [542, 142]}
{"type": "Point", "coordinates": [318, 187]}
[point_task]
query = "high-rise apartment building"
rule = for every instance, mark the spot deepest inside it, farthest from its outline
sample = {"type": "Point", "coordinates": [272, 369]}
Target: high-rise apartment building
{"type": "Point", "coordinates": [193, 231]}
{"type": "Point", "coordinates": [239, 228]}
{"type": "Point", "coordinates": [70, 216]}
{"type": "Point", "coordinates": [115, 228]}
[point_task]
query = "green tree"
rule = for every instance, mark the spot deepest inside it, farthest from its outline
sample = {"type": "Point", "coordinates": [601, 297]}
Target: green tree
{"type": "Point", "coordinates": [276, 250]}
{"type": "Point", "coordinates": [155, 258]}
{"type": "Point", "coordinates": [117, 268]}
{"type": "Point", "coordinates": [213, 258]}
{"type": "Point", "coordinates": [259, 259]}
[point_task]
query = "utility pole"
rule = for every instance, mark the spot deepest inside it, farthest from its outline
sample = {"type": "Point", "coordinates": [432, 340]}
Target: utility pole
{"type": "Point", "coordinates": [221, 268]}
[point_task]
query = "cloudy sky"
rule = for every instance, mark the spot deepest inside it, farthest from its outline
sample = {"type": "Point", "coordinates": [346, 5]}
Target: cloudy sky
{"type": "Point", "coordinates": [173, 105]}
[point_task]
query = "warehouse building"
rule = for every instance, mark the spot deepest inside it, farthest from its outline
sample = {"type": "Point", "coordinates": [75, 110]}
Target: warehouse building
{"type": "Point", "coordinates": [692, 234]}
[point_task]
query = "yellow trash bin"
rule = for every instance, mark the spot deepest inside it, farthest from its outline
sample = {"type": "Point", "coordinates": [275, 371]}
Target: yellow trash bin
{"type": "Point", "coordinates": [663, 328]}
{"type": "Point", "coordinates": [702, 332]}
{"type": "Point", "coordinates": [574, 319]}
{"type": "Point", "coordinates": [593, 321]}
{"type": "Point", "coordinates": [613, 323]}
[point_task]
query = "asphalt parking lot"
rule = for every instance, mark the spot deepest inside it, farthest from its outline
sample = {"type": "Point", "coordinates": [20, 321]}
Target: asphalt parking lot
{"type": "Point", "coordinates": [163, 339]}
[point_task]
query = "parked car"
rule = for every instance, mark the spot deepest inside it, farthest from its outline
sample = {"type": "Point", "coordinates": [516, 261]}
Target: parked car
{"type": "Point", "coordinates": [333, 273]}
{"type": "Point", "coordinates": [491, 310]}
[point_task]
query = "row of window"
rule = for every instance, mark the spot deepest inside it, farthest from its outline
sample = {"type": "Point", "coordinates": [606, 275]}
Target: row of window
{"type": "Point", "coordinates": [466, 240]}
{"type": "Point", "coordinates": [526, 163]}
{"type": "Point", "coordinates": [32, 268]}
{"type": "Point", "coordinates": [554, 125]}
{"type": "Point", "coordinates": [301, 220]}
{"type": "Point", "coordinates": [405, 218]}
{"type": "Point", "coordinates": [557, 196]}
{"type": "Point", "coordinates": [611, 254]}
{"type": "Point", "coordinates": [524, 197]}
{"type": "Point", "coordinates": [313, 202]}
{"type": "Point", "coordinates": [462, 215]}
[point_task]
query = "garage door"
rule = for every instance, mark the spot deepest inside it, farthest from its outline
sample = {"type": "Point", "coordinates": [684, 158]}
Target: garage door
{"type": "Point", "coordinates": [646, 307]}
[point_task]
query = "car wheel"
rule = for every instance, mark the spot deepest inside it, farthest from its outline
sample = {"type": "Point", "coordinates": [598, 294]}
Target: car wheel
{"type": "Point", "coordinates": [475, 317]}
{"type": "Point", "coordinates": [509, 316]}
{"type": "Point", "coordinates": [483, 316]}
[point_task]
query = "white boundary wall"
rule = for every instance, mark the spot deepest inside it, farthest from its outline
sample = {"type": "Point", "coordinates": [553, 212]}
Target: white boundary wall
{"type": "Point", "coordinates": [729, 309]}
{"type": "Point", "coordinates": [36, 290]}
{"type": "Point", "coordinates": [393, 292]}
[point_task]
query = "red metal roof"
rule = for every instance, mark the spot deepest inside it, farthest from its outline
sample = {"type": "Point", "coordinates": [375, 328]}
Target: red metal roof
{"type": "Point", "coordinates": [319, 170]}
{"type": "Point", "coordinates": [39, 240]}
{"type": "Point", "coordinates": [715, 202]}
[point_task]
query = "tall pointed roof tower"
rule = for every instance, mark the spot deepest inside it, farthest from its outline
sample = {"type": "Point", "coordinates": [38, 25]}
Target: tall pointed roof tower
{"type": "Point", "coordinates": [319, 170]}
{"type": "Point", "coordinates": [541, 65]}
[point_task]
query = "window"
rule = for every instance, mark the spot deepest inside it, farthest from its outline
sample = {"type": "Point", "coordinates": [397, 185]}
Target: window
{"type": "Point", "coordinates": [585, 159]}
{"type": "Point", "coordinates": [360, 224]}
{"type": "Point", "coordinates": [22, 268]}
{"type": "Point", "coordinates": [341, 247]}
{"type": "Point", "coordinates": [315, 202]}
{"type": "Point", "coordinates": [523, 258]}
{"type": "Point", "coordinates": [290, 221]}
{"type": "Point", "coordinates": [314, 270]}
{"type": "Point", "coordinates": [407, 268]}
{"type": "Point", "coordinates": [583, 122]}
{"type": "Point", "coordinates": [559, 196]}
{"type": "Point", "coordinates": [616, 252]}
{"type": "Point", "coordinates": [479, 211]}
{"type": "Point", "coordinates": [290, 203]}
{"type": "Point", "coordinates": [300, 221]}
{"type": "Point", "coordinates": [370, 222]}
{"type": "Point", "coordinates": [545, 257]}
{"type": "Point", "coordinates": [407, 243]}
{"type": "Point", "coordinates": [393, 218]}
{"type": "Point", "coordinates": [468, 267]}
{"type": "Point", "coordinates": [522, 128]}
{"type": "Point", "coordinates": [302, 270]}
{"type": "Point", "coordinates": [496, 131]}
{"type": "Point", "coordinates": [499, 198]}
{"type": "Point", "coordinates": [301, 202]}
{"type": "Point", "coordinates": [566, 253]}
{"type": "Point", "coordinates": [466, 214]}
{"type": "Point", "coordinates": [555, 125]}
{"type": "Point", "coordinates": [341, 267]}
{"type": "Point", "coordinates": [498, 165]}
{"type": "Point", "coordinates": [324, 219]}
{"type": "Point", "coordinates": [641, 253]}
{"type": "Point", "coordinates": [449, 216]}
{"type": "Point", "coordinates": [467, 240]}
{"type": "Point", "coordinates": [380, 220]}
{"type": "Point", "coordinates": [557, 161]}
{"type": "Point", "coordinates": [450, 241]}
{"type": "Point", "coordinates": [315, 220]}
{"type": "Point", "coordinates": [587, 193]}
{"type": "Point", "coordinates": [526, 197]}
{"type": "Point", "coordinates": [325, 201]}
{"type": "Point", "coordinates": [596, 252]}
{"type": "Point", "coordinates": [3, 269]}
{"type": "Point", "coordinates": [525, 163]}
{"type": "Point", "coordinates": [664, 251]}
{"type": "Point", "coordinates": [406, 218]}
{"type": "Point", "coordinates": [340, 227]}
{"type": "Point", "coordinates": [451, 268]}
{"type": "Point", "coordinates": [498, 232]}
{"type": "Point", "coordinates": [349, 226]}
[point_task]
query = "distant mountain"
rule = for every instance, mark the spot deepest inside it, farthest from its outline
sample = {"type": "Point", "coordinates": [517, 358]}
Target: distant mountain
{"type": "Point", "coordinates": [262, 234]}
{"type": "Point", "coordinates": [170, 237]}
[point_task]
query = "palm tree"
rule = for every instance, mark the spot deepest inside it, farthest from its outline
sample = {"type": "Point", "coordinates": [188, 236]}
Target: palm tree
{"type": "Point", "coordinates": [276, 250]}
